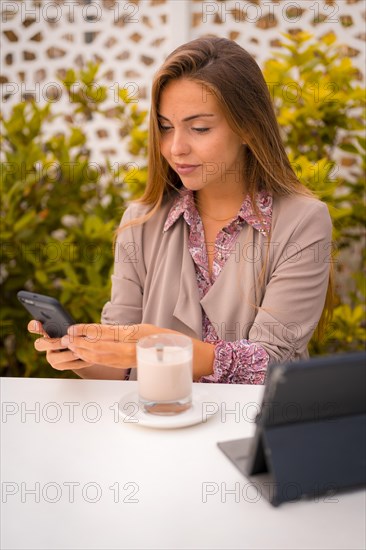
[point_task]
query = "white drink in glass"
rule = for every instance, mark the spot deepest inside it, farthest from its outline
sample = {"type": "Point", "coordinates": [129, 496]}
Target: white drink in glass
{"type": "Point", "coordinates": [164, 374]}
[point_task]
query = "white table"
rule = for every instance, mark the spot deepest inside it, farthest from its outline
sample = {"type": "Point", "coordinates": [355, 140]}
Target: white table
{"type": "Point", "coordinates": [74, 476]}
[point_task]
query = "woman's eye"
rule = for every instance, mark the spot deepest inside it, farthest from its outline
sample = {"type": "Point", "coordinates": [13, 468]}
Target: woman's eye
{"type": "Point", "coordinates": [164, 128]}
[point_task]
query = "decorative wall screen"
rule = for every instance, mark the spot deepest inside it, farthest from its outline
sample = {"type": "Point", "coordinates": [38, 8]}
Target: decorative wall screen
{"type": "Point", "coordinates": [132, 38]}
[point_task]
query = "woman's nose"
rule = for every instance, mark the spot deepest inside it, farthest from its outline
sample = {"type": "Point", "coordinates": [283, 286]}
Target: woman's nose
{"type": "Point", "coordinates": [179, 144]}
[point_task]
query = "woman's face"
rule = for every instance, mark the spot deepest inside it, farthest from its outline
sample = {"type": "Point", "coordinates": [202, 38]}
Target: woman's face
{"type": "Point", "coordinates": [196, 139]}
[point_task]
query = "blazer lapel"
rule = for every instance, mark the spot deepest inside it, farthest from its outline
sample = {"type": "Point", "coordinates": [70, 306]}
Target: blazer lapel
{"type": "Point", "coordinates": [233, 294]}
{"type": "Point", "coordinates": [187, 308]}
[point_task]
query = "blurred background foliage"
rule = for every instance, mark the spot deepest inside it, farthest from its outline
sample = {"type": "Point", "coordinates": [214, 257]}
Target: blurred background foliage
{"type": "Point", "coordinates": [320, 106]}
{"type": "Point", "coordinates": [59, 209]}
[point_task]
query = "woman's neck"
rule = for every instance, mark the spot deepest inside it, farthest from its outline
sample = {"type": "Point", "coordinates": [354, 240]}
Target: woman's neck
{"type": "Point", "coordinates": [220, 207]}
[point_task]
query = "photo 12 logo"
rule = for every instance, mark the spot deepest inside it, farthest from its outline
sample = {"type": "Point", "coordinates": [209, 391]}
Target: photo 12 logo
{"type": "Point", "coordinates": [71, 411]}
{"type": "Point", "coordinates": [72, 492]}
{"type": "Point", "coordinates": [53, 11]}
{"type": "Point", "coordinates": [50, 412]}
{"type": "Point", "coordinates": [253, 492]}
{"type": "Point", "coordinates": [252, 12]}
{"type": "Point", "coordinates": [52, 92]}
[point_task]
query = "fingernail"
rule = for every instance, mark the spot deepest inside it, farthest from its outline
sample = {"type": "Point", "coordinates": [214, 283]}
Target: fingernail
{"type": "Point", "coordinates": [38, 344]}
{"type": "Point", "coordinates": [65, 340]}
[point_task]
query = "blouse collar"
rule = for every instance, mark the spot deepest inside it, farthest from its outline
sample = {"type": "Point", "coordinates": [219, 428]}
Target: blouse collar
{"type": "Point", "coordinates": [184, 205]}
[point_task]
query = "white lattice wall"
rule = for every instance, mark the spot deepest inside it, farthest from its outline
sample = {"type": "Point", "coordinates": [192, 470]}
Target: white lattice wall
{"type": "Point", "coordinates": [256, 25]}
{"type": "Point", "coordinates": [132, 38]}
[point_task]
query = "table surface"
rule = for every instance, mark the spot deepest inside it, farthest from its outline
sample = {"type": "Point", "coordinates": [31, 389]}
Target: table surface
{"type": "Point", "coordinates": [75, 476]}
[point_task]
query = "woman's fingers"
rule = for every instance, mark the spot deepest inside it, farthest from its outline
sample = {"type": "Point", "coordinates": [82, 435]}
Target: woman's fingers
{"type": "Point", "coordinates": [105, 352]}
{"type": "Point", "coordinates": [65, 360]}
{"type": "Point", "coordinates": [36, 327]}
{"type": "Point", "coordinates": [49, 344]}
{"type": "Point", "coordinates": [59, 357]}
{"type": "Point", "coordinates": [95, 332]}
{"type": "Point", "coordinates": [57, 354]}
{"type": "Point", "coordinates": [89, 344]}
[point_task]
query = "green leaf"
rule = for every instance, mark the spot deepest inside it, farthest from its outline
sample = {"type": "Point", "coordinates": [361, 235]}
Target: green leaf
{"type": "Point", "coordinates": [24, 221]}
{"type": "Point", "coordinates": [349, 148]}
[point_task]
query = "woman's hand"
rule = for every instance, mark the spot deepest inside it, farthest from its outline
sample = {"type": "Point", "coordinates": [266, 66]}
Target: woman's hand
{"type": "Point", "coordinates": [109, 345]}
{"type": "Point", "coordinates": [112, 347]}
{"type": "Point", "coordinates": [115, 346]}
{"type": "Point", "coordinates": [57, 354]}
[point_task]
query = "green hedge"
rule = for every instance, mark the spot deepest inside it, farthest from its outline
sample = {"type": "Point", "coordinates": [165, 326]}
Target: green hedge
{"type": "Point", "coordinates": [320, 107]}
{"type": "Point", "coordinates": [60, 209]}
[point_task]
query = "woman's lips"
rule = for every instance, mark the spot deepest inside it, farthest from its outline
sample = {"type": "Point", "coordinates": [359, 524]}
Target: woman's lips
{"type": "Point", "coordinates": [185, 169]}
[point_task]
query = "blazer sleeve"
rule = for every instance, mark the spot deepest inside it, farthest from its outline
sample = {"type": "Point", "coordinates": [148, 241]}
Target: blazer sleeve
{"type": "Point", "coordinates": [295, 294]}
{"type": "Point", "coordinates": [125, 305]}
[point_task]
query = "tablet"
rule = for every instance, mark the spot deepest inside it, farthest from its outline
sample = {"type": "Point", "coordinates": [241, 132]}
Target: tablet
{"type": "Point", "coordinates": [311, 429]}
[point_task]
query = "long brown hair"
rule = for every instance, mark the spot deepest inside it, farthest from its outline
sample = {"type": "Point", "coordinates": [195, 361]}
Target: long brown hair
{"type": "Point", "coordinates": [231, 74]}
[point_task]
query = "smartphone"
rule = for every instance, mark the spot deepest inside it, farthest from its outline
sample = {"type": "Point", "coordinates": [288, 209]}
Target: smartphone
{"type": "Point", "coordinates": [54, 318]}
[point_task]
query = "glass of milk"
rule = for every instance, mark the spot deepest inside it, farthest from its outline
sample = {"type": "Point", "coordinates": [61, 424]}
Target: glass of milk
{"type": "Point", "coordinates": [164, 373]}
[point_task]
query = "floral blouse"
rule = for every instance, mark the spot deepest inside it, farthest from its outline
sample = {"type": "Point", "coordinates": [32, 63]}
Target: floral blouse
{"type": "Point", "coordinates": [241, 361]}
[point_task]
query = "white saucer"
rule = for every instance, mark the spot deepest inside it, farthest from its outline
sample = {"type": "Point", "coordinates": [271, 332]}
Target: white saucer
{"type": "Point", "coordinates": [204, 406]}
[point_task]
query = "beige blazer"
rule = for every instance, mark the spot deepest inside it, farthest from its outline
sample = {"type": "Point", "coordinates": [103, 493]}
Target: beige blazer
{"type": "Point", "coordinates": [154, 279]}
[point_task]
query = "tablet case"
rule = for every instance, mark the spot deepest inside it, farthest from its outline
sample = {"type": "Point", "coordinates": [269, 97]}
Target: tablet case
{"type": "Point", "coordinates": [310, 434]}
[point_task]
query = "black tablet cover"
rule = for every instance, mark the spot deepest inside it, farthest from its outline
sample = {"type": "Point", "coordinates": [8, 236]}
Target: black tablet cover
{"type": "Point", "coordinates": [310, 434]}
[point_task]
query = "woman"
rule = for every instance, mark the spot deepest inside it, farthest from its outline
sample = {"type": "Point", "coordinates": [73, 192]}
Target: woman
{"type": "Point", "coordinates": [225, 246]}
